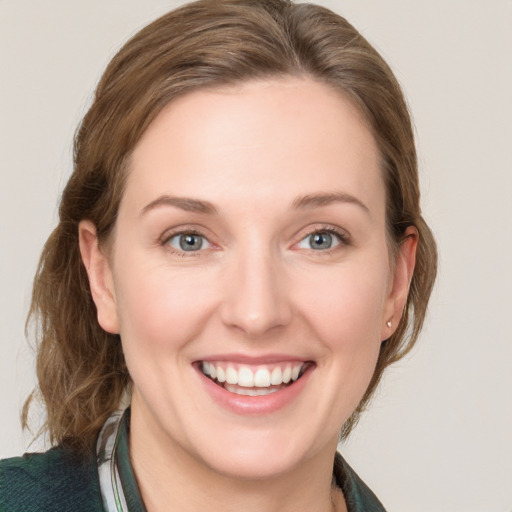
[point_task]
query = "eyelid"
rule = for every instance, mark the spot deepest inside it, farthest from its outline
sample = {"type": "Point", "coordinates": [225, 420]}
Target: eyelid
{"type": "Point", "coordinates": [203, 241]}
{"type": "Point", "coordinates": [343, 236]}
{"type": "Point", "coordinates": [168, 235]}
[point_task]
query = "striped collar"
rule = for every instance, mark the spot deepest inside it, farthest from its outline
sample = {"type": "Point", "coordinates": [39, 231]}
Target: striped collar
{"type": "Point", "coordinates": [120, 492]}
{"type": "Point", "coordinates": [119, 489]}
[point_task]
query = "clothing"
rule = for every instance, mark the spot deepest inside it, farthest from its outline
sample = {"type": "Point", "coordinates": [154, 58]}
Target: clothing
{"type": "Point", "coordinates": [58, 481]}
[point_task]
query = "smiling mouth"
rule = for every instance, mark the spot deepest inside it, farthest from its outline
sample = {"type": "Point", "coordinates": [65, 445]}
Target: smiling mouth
{"type": "Point", "coordinates": [253, 380]}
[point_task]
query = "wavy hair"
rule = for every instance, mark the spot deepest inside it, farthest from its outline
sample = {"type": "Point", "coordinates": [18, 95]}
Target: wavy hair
{"type": "Point", "coordinates": [209, 43]}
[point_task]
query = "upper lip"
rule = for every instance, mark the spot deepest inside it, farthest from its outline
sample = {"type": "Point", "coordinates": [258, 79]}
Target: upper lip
{"type": "Point", "coordinates": [254, 360]}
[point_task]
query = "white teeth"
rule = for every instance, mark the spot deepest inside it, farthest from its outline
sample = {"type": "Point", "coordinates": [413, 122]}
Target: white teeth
{"type": "Point", "coordinates": [262, 378]}
{"type": "Point", "coordinates": [221, 376]}
{"type": "Point", "coordinates": [246, 377]}
{"type": "Point", "coordinates": [231, 375]}
{"type": "Point", "coordinates": [250, 391]}
{"type": "Point", "coordinates": [276, 377]}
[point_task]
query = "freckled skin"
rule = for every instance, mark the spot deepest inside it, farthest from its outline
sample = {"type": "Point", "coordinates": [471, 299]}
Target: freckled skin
{"type": "Point", "coordinates": [255, 286]}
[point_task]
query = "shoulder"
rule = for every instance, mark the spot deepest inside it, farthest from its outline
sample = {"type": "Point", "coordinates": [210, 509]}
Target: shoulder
{"type": "Point", "coordinates": [359, 497]}
{"type": "Point", "coordinates": [52, 481]}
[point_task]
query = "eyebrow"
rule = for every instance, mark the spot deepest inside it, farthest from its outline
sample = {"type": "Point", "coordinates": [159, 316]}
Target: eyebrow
{"type": "Point", "coordinates": [325, 199]}
{"type": "Point", "coordinates": [184, 203]}
{"type": "Point", "coordinates": [205, 207]}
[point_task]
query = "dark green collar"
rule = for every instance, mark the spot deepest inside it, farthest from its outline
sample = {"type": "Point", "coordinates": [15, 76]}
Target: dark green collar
{"type": "Point", "coordinates": [119, 489]}
{"type": "Point", "coordinates": [120, 492]}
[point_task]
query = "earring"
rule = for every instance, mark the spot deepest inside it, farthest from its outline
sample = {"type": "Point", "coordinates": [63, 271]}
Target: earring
{"type": "Point", "coordinates": [388, 323]}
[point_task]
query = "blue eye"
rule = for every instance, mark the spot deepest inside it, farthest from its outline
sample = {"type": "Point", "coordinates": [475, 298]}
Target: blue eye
{"type": "Point", "coordinates": [320, 241]}
{"type": "Point", "coordinates": [188, 242]}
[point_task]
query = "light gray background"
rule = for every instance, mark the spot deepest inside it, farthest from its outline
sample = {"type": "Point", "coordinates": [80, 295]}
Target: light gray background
{"type": "Point", "coordinates": [439, 435]}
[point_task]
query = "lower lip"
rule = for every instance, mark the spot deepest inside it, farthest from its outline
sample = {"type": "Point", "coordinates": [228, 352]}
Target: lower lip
{"type": "Point", "coordinates": [255, 405]}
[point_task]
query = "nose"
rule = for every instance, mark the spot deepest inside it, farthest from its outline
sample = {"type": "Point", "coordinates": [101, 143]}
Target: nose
{"type": "Point", "coordinates": [256, 299]}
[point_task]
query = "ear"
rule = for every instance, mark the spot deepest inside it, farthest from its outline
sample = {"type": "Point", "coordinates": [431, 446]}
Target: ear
{"type": "Point", "coordinates": [99, 272]}
{"type": "Point", "coordinates": [401, 281]}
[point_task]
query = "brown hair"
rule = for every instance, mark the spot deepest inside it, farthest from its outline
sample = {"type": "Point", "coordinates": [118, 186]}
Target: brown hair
{"type": "Point", "coordinates": [208, 43]}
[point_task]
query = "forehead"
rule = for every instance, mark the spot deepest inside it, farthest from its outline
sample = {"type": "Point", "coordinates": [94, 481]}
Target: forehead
{"type": "Point", "coordinates": [261, 140]}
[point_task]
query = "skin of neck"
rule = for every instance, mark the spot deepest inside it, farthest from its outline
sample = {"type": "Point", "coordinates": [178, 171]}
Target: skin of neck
{"type": "Point", "coordinates": [169, 477]}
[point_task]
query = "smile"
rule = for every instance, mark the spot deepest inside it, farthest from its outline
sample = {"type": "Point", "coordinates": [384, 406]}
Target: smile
{"type": "Point", "coordinates": [257, 380]}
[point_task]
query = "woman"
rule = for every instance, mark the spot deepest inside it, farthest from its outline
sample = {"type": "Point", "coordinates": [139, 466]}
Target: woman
{"type": "Point", "coordinates": [240, 254]}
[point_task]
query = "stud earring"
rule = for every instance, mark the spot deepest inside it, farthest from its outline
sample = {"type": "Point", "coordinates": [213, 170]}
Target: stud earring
{"type": "Point", "coordinates": [388, 323]}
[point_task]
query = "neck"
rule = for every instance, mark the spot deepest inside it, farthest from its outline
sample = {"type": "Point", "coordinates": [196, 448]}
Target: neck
{"type": "Point", "coordinates": [170, 477]}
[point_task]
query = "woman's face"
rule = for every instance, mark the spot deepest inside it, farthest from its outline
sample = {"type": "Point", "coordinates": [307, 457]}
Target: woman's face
{"type": "Point", "coordinates": [250, 247]}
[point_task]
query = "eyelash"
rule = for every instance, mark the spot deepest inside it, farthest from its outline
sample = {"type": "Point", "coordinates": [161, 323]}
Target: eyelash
{"type": "Point", "coordinates": [165, 241]}
{"type": "Point", "coordinates": [343, 237]}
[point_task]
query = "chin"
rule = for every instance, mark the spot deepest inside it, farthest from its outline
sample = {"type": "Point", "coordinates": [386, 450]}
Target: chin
{"type": "Point", "coordinates": [254, 463]}
{"type": "Point", "coordinates": [264, 454]}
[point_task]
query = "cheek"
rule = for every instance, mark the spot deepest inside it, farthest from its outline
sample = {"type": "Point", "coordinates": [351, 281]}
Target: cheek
{"type": "Point", "coordinates": [160, 310]}
{"type": "Point", "coordinates": [347, 308]}
{"type": "Point", "coordinates": [347, 319]}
